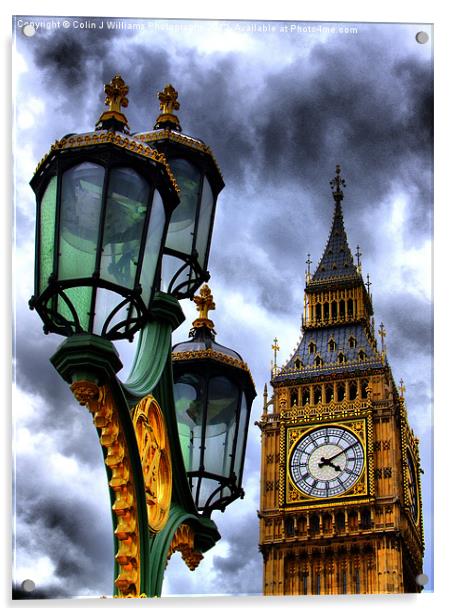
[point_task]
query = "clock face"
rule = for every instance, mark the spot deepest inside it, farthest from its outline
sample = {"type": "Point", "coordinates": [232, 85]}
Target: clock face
{"type": "Point", "coordinates": [326, 462]}
{"type": "Point", "coordinates": [412, 489]}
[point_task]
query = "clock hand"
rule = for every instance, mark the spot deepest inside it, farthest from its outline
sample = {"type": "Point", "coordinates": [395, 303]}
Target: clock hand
{"type": "Point", "coordinates": [327, 461]}
{"type": "Point", "coordinates": [341, 452]}
{"type": "Point", "coordinates": [324, 462]}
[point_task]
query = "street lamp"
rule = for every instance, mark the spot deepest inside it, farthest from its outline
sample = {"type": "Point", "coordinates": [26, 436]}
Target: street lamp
{"type": "Point", "coordinates": [187, 246]}
{"type": "Point", "coordinates": [115, 222]}
{"type": "Point", "coordinates": [213, 391]}
{"type": "Point", "coordinates": [104, 201]}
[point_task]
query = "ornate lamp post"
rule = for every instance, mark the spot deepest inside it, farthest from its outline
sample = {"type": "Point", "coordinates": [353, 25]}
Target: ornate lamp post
{"type": "Point", "coordinates": [110, 210]}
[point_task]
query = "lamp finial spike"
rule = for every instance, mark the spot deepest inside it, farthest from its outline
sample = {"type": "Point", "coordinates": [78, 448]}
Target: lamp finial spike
{"type": "Point", "coordinates": [116, 97]}
{"type": "Point", "coordinates": [168, 104]}
{"type": "Point", "coordinates": [204, 302]}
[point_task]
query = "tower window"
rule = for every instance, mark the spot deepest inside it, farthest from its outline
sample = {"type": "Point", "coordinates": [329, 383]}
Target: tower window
{"type": "Point", "coordinates": [305, 396]}
{"type": "Point", "coordinates": [293, 397]}
{"type": "Point", "coordinates": [318, 312]}
{"type": "Point", "coordinates": [362, 356]}
{"type": "Point", "coordinates": [318, 394]}
{"type": "Point", "coordinates": [341, 392]}
{"type": "Point", "coordinates": [318, 361]}
{"type": "Point", "coordinates": [312, 347]}
{"type": "Point", "coordinates": [340, 521]}
{"type": "Point", "coordinates": [353, 390]}
{"type": "Point", "coordinates": [329, 391]}
{"type": "Point", "coordinates": [315, 523]}
{"type": "Point", "coordinates": [342, 309]}
{"type": "Point", "coordinates": [331, 345]}
{"type": "Point", "coordinates": [289, 527]}
{"type": "Point", "coordinates": [298, 364]}
{"type": "Point", "coordinates": [350, 307]}
{"type": "Point", "coordinates": [341, 358]}
{"type": "Point", "coordinates": [334, 310]}
{"type": "Point", "coordinates": [364, 385]}
{"type": "Point", "coordinates": [352, 342]}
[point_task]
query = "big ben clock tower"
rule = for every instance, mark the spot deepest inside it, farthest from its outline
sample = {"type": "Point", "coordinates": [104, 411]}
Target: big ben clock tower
{"type": "Point", "coordinates": [340, 509]}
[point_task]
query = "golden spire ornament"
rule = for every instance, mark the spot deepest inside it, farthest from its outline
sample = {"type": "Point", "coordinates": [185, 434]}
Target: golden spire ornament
{"type": "Point", "coordinates": [168, 104]}
{"type": "Point", "coordinates": [116, 97]}
{"type": "Point", "coordinates": [204, 302]}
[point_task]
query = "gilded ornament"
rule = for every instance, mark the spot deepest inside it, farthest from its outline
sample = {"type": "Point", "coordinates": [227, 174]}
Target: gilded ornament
{"type": "Point", "coordinates": [153, 447]}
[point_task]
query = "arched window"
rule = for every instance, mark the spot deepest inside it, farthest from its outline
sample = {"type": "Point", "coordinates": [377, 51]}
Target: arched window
{"type": "Point", "coordinates": [305, 396]}
{"type": "Point", "coordinates": [331, 344]}
{"type": "Point", "coordinates": [315, 523]}
{"type": "Point", "coordinates": [353, 390]}
{"type": "Point", "coordinates": [342, 309]}
{"type": "Point", "coordinates": [341, 358]}
{"type": "Point", "coordinates": [327, 523]}
{"type": "Point", "coordinates": [312, 347]}
{"type": "Point", "coordinates": [341, 392]}
{"type": "Point", "coordinates": [329, 392]}
{"type": "Point", "coordinates": [318, 361]}
{"type": "Point", "coordinates": [318, 312]}
{"type": "Point", "coordinates": [334, 310]}
{"type": "Point", "coordinates": [302, 524]}
{"type": "Point", "coordinates": [350, 307]}
{"type": "Point", "coordinates": [326, 311]}
{"type": "Point", "coordinates": [298, 364]}
{"type": "Point", "coordinates": [362, 355]}
{"type": "Point", "coordinates": [293, 397]}
{"type": "Point", "coordinates": [289, 527]}
{"type": "Point", "coordinates": [352, 342]}
{"type": "Point", "coordinates": [317, 394]}
{"type": "Point", "coordinates": [340, 521]}
{"type": "Point", "coordinates": [364, 385]}
{"type": "Point", "coordinates": [366, 521]}
{"type": "Point", "coordinates": [353, 520]}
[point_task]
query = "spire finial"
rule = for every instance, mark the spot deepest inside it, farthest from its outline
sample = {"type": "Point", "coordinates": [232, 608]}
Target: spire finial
{"type": "Point", "coordinates": [275, 348]}
{"type": "Point", "coordinates": [308, 263]}
{"type": "Point", "coordinates": [116, 98]}
{"type": "Point", "coordinates": [204, 302]}
{"type": "Point", "coordinates": [402, 389]}
{"type": "Point", "coordinates": [168, 104]}
{"type": "Point", "coordinates": [336, 184]}
{"type": "Point", "coordinates": [358, 254]}
{"type": "Point", "coordinates": [382, 334]}
{"type": "Point", "coordinates": [368, 284]}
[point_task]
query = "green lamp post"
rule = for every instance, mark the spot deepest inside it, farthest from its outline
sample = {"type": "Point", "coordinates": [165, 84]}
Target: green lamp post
{"type": "Point", "coordinates": [124, 224]}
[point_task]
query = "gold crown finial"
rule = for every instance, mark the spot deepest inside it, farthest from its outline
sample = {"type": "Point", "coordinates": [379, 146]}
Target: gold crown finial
{"type": "Point", "coordinates": [116, 92]}
{"type": "Point", "coordinates": [168, 104]}
{"type": "Point", "coordinates": [336, 183]}
{"type": "Point", "coordinates": [204, 302]}
{"type": "Point", "coordinates": [116, 98]}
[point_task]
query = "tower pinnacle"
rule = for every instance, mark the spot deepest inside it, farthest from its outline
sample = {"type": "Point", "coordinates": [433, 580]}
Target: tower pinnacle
{"type": "Point", "coordinates": [336, 184]}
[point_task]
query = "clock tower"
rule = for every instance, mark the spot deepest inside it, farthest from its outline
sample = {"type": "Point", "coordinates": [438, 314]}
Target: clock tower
{"type": "Point", "coordinates": [340, 507]}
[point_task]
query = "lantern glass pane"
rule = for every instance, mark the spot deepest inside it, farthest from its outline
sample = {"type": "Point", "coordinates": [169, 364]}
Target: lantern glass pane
{"type": "Point", "coordinates": [106, 302]}
{"type": "Point", "coordinates": [127, 204]}
{"type": "Point", "coordinates": [47, 234]}
{"type": "Point", "coordinates": [152, 247]}
{"type": "Point", "coordinates": [80, 298]}
{"type": "Point", "coordinates": [223, 398]}
{"type": "Point", "coordinates": [189, 412]}
{"type": "Point", "coordinates": [204, 224]}
{"type": "Point", "coordinates": [182, 225]}
{"type": "Point", "coordinates": [81, 202]}
{"type": "Point", "coordinates": [241, 436]}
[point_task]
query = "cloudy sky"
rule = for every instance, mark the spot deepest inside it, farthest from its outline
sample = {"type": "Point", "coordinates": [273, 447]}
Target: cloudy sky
{"type": "Point", "coordinates": [279, 103]}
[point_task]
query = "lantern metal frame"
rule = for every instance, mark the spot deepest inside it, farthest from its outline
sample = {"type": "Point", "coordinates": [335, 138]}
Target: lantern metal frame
{"type": "Point", "coordinates": [206, 370]}
{"type": "Point", "coordinates": [100, 149]}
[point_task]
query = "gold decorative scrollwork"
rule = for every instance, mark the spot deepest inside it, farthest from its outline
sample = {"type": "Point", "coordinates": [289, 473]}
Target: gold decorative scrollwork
{"type": "Point", "coordinates": [153, 447]}
{"type": "Point", "coordinates": [184, 542]}
{"type": "Point", "coordinates": [100, 403]}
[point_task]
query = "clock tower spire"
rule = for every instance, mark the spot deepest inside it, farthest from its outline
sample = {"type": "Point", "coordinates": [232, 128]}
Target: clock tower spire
{"type": "Point", "coordinates": [340, 509]}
